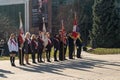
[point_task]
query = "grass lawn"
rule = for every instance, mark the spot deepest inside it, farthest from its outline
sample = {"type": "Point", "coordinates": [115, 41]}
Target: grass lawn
{"type": "Point", "coordinates": [99, 51]}
{"type": "Point", "coordinates": [104, 51]}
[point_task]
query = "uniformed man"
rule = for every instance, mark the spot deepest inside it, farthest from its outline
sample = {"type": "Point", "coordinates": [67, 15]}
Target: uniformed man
{"type": "Point", "coordinates": [61, 49]}
{"type": "Point", "coordinates": [21, 51]}
{"type": "Point", "coordinates": [40, 47]}
{"type": "Point", "coordinates": [56, 43]}
{"type": "Point", "coordinates": [71, 45]}
{"type": "Point", "coordinates": [79, 45]}
{"type": "Point", "coordinates": [65, 45]}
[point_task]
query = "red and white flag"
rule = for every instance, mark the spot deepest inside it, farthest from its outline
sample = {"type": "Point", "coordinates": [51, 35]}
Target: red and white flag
{"type": "Point", "coordinates": [75, 24]}
{"type": "Point", "coordinates": [21, 32]}
{"type": "Point", "coordinates": [74, 33]}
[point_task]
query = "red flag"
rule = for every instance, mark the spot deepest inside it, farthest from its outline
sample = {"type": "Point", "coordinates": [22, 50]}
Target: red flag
{"type": "Point", "coordinates": [63, 33]}
{"type": "Point", "coordinates": [21, 32]}
{"type": "Point", "coordinates": [74, 33]}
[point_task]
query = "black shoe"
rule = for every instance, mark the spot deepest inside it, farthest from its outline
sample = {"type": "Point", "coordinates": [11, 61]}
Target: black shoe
{"type": "Point", "coordinates": [65, 59]}
{"type": "Point", "coordinates": [13, 64]}
{"type": "Point", "coordinates": [56, 60]}
{"type": "Point", "coordinates": [28, 63]}
{"type": "Point", "coordinates": [70, 58]}
{"type": "Point", "coordinates": [41, 61]}
{"type": "Point", "coordinates": [48, 61]}
{"type": "Point", "coordinates": [34, 62]}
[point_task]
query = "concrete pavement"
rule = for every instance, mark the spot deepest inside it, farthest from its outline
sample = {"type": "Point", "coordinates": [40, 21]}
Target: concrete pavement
{"type": "Point", "coordinates": [90, 67]}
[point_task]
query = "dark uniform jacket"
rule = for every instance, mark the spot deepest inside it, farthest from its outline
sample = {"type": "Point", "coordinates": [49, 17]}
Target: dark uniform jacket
{"type": "Point", "coordinates": [34, 45]}
{"type": "Point", "coordinates": [27, 47]}
{"type": "Point", "coordinates": [70, 41]}
{"type": "Point", "coordinates": [40, 43]}
{"type": "Point", "coordinates": [56, 43]}
{"type": "Point", "coordinates": [50, 44]}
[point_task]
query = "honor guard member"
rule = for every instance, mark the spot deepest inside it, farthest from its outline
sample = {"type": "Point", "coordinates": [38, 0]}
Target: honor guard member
{"type": "Point", "coordinates": [40, 47]}
{"type": "Point", "coordinates": [13, 48]}
{"type": "Point", "coordinates": [65, 45]}
{"type": "Point", "coordinates": [21, 51]}
{"type": "Point", "coordinates": [48, 47]}
{"type": "Point", "coordinates": [56, 44]}
{"type": "Point", "coordinates": [79, 45]}
{"type": "Point", "coordinates": [27, 47]}
{"type": "Point", "coordinates": [71, 45]}
{"type": "Point", "coordinates": [61, 50]}
{"type": "Point", "coordinates": [34, 44]}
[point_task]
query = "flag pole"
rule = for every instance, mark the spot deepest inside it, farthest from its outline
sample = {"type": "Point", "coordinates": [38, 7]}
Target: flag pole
{"type": "Point", "coordinates": [63, 38]}
{"type": "Point", "coordinates": [21, 45]}
{"type": "Point", "coordinates": [44, 36]}
{"type": "Point", "coordinates": [75, 15]}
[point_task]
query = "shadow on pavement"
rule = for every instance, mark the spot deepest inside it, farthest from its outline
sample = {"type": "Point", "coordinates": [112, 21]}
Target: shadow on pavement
{"type": "Point", "coordinates": [3, 72]}
{"type": "Point", "coordinates": [85, 64]}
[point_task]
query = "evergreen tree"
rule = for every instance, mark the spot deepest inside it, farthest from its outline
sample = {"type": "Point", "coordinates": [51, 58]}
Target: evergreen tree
{"type": "Point", "coordinates": [105, 24]}
{"type": "Point", "coordinates": [84, 15]}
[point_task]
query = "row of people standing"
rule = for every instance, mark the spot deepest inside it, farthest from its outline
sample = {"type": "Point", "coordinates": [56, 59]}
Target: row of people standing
{"type": "Point", "coordinates": [38, 45]}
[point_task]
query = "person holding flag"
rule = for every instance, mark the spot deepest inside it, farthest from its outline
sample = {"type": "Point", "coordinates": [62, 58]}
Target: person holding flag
{"type": "Point", "coordinates": [62, 43]}
{"type": "Point", "coordinates": [72, 38]}
{"type": "Point", "coordinates": [21, 42]}
{"type": "Point", "coordinates": [79, 45]}
{"type": "Point", "coordinates": [44, 38]}
{"type": "Point", "coordinates": [40, 47]}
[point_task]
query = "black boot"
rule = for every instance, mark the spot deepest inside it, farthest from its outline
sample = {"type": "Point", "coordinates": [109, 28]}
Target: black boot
{"type": "Point", "coordinates": [13, 61]}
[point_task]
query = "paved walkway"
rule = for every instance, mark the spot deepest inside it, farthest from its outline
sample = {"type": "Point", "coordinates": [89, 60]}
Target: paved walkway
{"type": "Point", "coordinates": [91, 67]}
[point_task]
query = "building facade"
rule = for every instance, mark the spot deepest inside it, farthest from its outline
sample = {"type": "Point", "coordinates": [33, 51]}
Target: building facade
{"type": "Point", "coordinates": [32, 12]}
{"type": "Point", "coordinates": [11, 8]}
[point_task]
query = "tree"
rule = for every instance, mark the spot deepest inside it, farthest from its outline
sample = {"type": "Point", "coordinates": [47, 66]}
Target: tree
{"type": "Point", "coordinates": [83, 8]}
{"type": "Point", "coordinates": [105, 24]}
{"type": "Point", "coordinates": [6, 27]}
{"type": "Point", "coordinates": [84, 13]}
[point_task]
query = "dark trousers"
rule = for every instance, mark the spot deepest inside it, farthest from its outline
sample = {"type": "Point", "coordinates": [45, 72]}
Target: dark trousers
{"type": "Point", "coordinates": [39, 55]}
{"type": "Point", "coordinates": [65, 49]}
{"type": "Point", "coordinates": [48, 53]}
{"type": "Point", "coordinates": [71, 50]}
{"type": "Point", "coordinates": [61, 53]}
{"type": "Point", "coordinates": [55, 54]}
{"type": "Point", "coordinates": [33, 57]}
{"type": "Point", "coordinates": [78, 52]}
{"type": "Point", "coordinates": [21, 57]}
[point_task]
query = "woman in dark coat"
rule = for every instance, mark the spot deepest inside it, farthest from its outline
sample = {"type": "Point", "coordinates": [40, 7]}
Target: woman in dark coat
{"type": "Point", "coordinates": [34, 44]}
{"type": "Point", "coordinates": [48, 47]}
{"type": "Point", "coordinates": [27, 47]}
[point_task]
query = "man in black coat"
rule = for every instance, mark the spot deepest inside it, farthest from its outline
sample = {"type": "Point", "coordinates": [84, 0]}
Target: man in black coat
{"type": "Point", "coordinates": [21, 51]}
{"type": "Point", "coordinates": [56, 44]}
{"type": "Point", "coordinates": [40, 47]}
{"type": "Point", "coordinates": [78, 45]}
{"type": "Point", "coordinates": [71, 46]}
